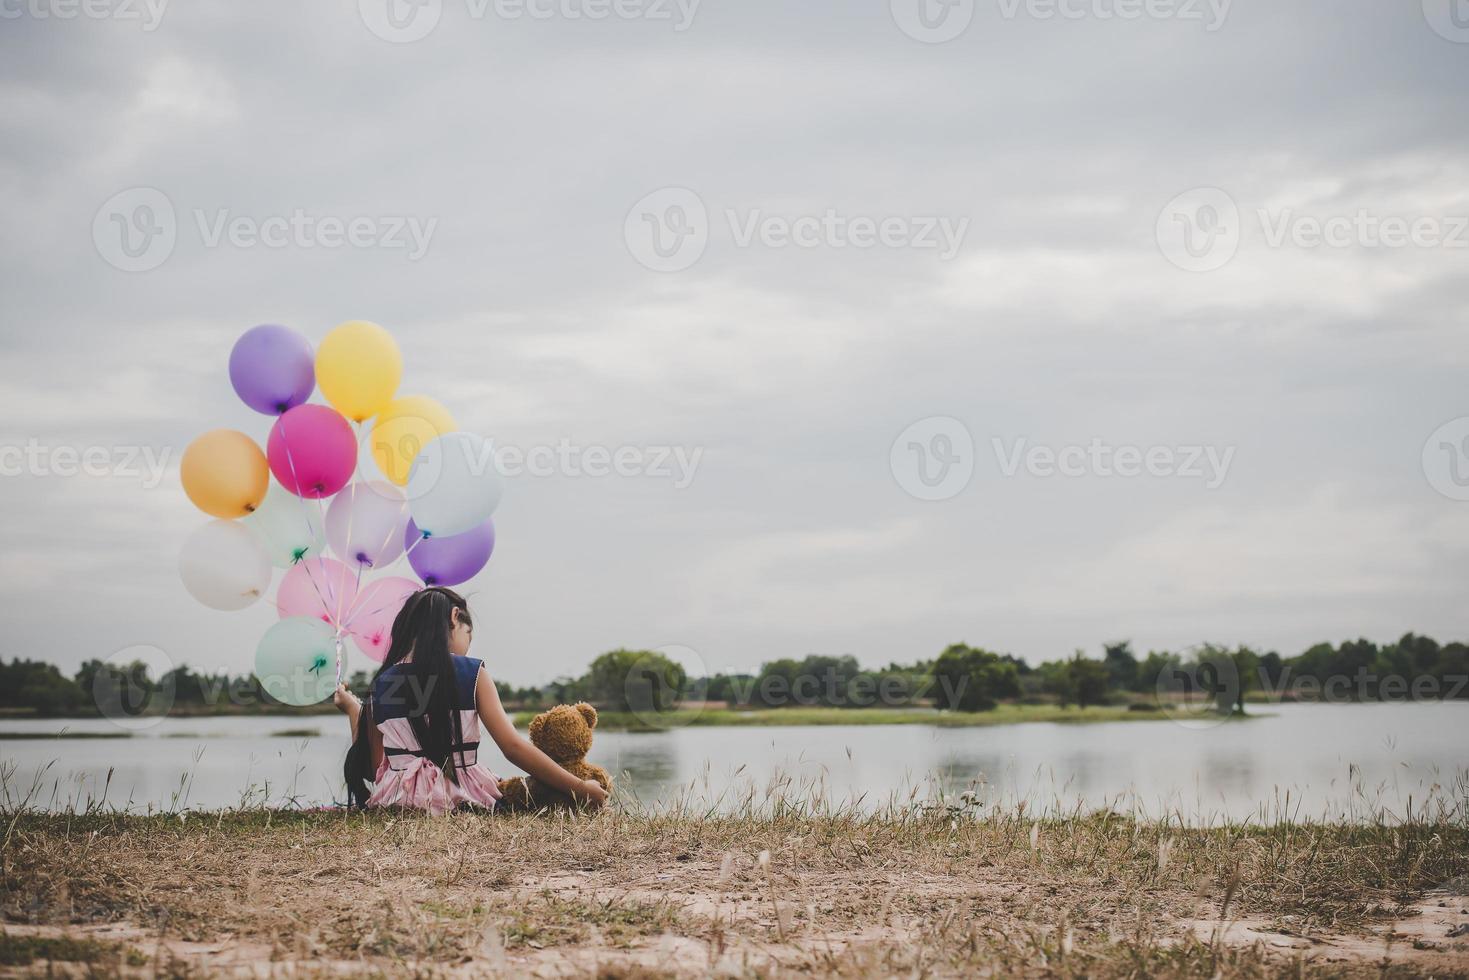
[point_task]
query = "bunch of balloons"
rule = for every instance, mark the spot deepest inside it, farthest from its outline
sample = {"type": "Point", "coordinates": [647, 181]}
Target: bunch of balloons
{"type": "Point", "coordinates": [341, 494]}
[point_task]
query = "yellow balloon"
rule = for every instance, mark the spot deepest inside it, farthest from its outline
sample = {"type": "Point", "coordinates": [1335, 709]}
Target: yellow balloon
{"type": "Point", "coordinates": [401, 431]}
{"type": "Point", "coordinates": [358, 368]}
{"type": "Point", "coordinates": [225, 473]}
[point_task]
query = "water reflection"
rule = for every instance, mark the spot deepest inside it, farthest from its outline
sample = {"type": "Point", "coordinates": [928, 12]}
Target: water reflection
{"type": "Point", "coordinates": [1333, 760]}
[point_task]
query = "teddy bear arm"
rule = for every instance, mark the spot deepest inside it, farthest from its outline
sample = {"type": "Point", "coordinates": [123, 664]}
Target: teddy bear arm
{"type": "Point", "coordinates": [599, 774]}
{"type": "Point", "coordinates": [514, 794]}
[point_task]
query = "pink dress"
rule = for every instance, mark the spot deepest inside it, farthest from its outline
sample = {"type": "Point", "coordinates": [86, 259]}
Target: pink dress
{"type": "Point", "coordinates": [405, 777]}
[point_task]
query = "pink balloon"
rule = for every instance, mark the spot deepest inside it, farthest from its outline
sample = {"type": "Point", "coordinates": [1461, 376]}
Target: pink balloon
{"type": "Point", "coordinates": [322, 588]}
{"type": "Point", "coordinates": [378, 604]}
{"type": "Point", "coordinates": [312, 451]}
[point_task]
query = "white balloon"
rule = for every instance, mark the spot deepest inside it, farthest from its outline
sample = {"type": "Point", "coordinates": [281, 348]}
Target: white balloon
{"type": "Point", "coordinates": [288, 527]}
{"type": "Point", "coordinates": [224, 566]}
{"type": "Point", "coordinates": [454, 484]}
{"type": "Point", "coordinates": [365, 524]}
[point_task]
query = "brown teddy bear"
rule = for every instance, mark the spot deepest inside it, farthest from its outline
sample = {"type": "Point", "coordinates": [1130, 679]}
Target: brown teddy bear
{"type": "Point", "coordinates": [565, 734]}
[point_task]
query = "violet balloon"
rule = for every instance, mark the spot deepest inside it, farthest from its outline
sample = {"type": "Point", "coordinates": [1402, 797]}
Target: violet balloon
{"type": "Point", "coordinates": [312, 451]}
{"type": "Point", "coordinates": [449, 560]}
{"type": "Point", "coordinates": [364, 524]}
{"type": "Point", "coordinates": [272, 368]}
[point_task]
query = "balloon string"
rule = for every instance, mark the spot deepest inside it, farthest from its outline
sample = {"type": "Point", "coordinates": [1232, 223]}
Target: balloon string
{"type": "Point", "coordinates": [392, 528]}
{"type": "Point", "coordinates": [296, 479]}
{"type": "Point", "coordinates": [354, 612]}
{"type": "Point", "coordinates": [356, 597]}
{"type": "Point", "coordinates": [352, 518]}
{"type": "Point", "coordinates": [371, 612]}
{"type": "Point", "coordinates": [321, 509]}
{"type": "Point", "coordinates": [406, 552]}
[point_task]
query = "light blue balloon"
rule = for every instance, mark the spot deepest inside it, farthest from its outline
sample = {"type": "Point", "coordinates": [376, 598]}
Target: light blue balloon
{"type": "Point", "coordinates": [296, 661]}
{"type": "Point", "coordinates": [454, 485]}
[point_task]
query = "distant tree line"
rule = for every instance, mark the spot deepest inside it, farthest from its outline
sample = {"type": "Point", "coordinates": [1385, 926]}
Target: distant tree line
{"type": "Point", "coordinates": [960, 678]}
{"type": "Point", "coordinates": [965, 678]}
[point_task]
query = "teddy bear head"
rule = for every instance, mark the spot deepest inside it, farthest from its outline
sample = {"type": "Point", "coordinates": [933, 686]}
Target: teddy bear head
{"type": "Point", "coordinates": [565, 732]}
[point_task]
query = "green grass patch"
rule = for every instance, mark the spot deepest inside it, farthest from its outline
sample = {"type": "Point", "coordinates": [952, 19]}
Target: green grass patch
{"type": "Point", "coordinates": [39, 736]}
{"type": "Point", "coordinates": [24, 950]}
{"type": "Point", "coordinates": [552, 920]}
{"type": "Point", "coordinates": [1005, 714]}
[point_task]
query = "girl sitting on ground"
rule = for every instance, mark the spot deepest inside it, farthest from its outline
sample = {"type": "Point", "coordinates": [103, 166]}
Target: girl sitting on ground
{"type": "Point", "coordinates": [417, 735]}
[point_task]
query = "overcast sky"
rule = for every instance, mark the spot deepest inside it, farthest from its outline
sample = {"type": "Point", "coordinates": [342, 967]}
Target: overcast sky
{"type": "Point", "coordinates": [1281, 391]}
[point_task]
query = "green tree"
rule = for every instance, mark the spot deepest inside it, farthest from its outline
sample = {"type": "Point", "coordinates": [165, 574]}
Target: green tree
{"type": "Point", "coordinates": [1121, 665]}
{"type": "Point", "coordinates": [634, 680]}
{"type": "Point", "coordinates": [39, 686]}
{"type": "Point", "coordinates": [970, 679]}
{"type": "Point", "coordinates": [1090, 679]}
{"type": "Point", "coordinates": [1159, 671]}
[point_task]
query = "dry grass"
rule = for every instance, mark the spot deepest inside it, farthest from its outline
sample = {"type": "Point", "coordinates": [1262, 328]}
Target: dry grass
{"type": "Point", "coordinates": [779, 887]}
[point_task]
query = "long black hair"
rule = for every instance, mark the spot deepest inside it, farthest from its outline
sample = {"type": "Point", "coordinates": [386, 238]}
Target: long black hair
{"type": "Point", "coordinates": [421, 629]}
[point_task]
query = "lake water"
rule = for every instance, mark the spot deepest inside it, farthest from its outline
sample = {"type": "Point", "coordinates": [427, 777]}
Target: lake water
{"type": "Point", "coordinates": [1337, 760]}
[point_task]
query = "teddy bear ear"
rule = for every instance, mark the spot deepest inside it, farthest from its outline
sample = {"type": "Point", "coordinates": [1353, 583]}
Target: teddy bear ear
{"type": "Point", "coordinates": [588, 712]}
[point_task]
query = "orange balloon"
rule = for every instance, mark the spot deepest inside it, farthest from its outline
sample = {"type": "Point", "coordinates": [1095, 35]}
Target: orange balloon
{"type": "Point", "coordinates": [225, 473]}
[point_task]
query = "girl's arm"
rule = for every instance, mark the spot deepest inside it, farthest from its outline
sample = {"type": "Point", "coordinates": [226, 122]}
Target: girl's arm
{"type": "Point", "coordinates": [521, 753]}
{"type": "Point", "coordinates": [348, 704]}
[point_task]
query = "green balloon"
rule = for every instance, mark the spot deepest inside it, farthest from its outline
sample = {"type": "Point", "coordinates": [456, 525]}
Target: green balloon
{"type": "Point", "coordinates": [296, 661]}
{"type": "Point", "coordinates": [287, 526]}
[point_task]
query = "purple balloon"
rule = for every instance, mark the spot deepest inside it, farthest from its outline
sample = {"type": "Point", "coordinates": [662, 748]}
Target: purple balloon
{"type": "Point", "coordinates": [272, 368]}
{"type": "Point", "coordinates": [449, 560]}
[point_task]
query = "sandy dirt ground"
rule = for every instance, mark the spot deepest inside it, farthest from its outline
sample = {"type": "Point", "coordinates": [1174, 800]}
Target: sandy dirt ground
{"type": "Point", "coordinates": [624, 896]}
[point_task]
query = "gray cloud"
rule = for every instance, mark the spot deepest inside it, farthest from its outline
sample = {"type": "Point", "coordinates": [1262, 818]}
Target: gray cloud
{"type": "Point", "coordinates": [793, 369]}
